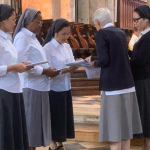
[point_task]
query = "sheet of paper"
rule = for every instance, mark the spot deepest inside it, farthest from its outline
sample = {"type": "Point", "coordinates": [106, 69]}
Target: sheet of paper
{"type": "Point", "coordinates": [92, 72]}
{"type": "Point", "coordinates": [63, 68]}
{"type": "Point", "coordinates": [80, 63]}
{"type": "Point", "coordinates": [39, 63]}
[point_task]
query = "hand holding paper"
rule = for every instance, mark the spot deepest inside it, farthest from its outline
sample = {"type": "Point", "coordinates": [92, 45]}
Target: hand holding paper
{"type": "Point", "coordinates": [80, 63]}
{"type": "Point", "coordinates": [39, 63]}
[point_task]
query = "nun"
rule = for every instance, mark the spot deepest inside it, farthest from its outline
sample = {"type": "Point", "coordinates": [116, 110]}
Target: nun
{"type": "Point", "coordinates": [13, 132]}
{"type": "Point", "coordinates": [58, 52]}
{"type": "Point", "coordinates": [140, 66]}
{"type": "Point", "coordinates": [35, 83]}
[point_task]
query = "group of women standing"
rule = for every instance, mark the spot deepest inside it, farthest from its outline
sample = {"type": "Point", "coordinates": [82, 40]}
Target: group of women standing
{"type": "Point", "coordinates": [38, 111]}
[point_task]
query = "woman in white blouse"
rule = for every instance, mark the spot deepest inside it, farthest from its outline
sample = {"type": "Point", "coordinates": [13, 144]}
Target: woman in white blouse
{"type": "Point", "coordinates": [59, 53]}
{"type": "Point", "coordinates": [13, 132]}
{"type": "Point", "coordinates": [35, 83]}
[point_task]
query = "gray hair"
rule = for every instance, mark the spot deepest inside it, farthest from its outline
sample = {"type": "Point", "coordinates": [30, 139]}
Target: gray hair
{"type": "Point", "coordinates": [103, 15]}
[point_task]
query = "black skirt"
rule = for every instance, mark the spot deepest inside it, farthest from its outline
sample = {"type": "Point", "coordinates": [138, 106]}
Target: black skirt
{"type": "Point", "coordinates": [62, 120]}
{"type": "Point", "coordinates": [143, 97]}
{"type": "Point", "coordinates": [13, 132]}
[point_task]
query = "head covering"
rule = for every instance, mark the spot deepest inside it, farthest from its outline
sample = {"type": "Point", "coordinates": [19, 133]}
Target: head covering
{"type": "Point", "coordinates": [26, 17]}
{"type": "Point", "coordinates": [4, 11]}
{"type": "Point", "coordinates": [145, 10]}
{"type": "Point", "coordinates": [54, 29]}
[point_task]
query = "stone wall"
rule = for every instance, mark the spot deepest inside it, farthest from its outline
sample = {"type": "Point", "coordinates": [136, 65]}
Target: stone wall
{"type": "Point", "coordinates": [93, 6]}
{"type": "Point", "coordinates": [5, 2]}
{"type": "Point", "coordinates": [86, 9]}
{"type": "Point", "coordinates": [52, 9]}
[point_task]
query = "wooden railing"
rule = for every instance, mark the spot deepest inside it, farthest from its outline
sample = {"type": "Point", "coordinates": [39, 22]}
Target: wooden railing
{"type": "Point", "coordinates": [125, 13]}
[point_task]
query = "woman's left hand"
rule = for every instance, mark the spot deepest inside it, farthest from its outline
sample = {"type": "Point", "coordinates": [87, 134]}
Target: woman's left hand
{"type": "Point", "coordinates": [72, 69]}
{"type": "Point", "coordinates": [79, 59]}
{"type": "Point", "coordinates": [93, 64]}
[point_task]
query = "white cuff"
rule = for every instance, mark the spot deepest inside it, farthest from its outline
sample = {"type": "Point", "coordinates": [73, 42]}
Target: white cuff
{"type": "Point", "coordinates": [60, 73]}
{"type": "Point", "coordinates": [39, 70]}
{"type": "Point", "coordinates": [3, 70]}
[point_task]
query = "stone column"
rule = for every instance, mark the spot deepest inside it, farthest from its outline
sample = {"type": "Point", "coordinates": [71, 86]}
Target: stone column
{"type": "Point", "coordinates": [83, 11]}
{"type": "Point", "coordinates": [5, 2]}
{"type": "Point", "coordinates": [53, 9]}
{"type": "Point", "coordinates": [148, 2]}
{"type": "Point", "coordinates": [111, 5]}
{"type": "Point", "coordinates": [94, 5]}
{"type": "Point", "coordinates": [71, 10]}
{"type": "Point", "coordinates": [68, 10]}
{"type": "Point", "coordinates": [1, 1]}
{"type": "Point", "coordinates": [56, 9]}
{"type": "Point", "coordinates": [45, 6]}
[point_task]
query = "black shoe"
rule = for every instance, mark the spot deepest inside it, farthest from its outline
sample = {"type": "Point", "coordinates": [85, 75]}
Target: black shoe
{"type": "Point", "coordinates": [59, 147]}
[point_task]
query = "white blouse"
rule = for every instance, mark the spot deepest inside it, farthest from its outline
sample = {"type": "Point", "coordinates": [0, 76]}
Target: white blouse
{"type": "Point", "coordinates": [58, 55]}
{"type": "Point", "coordinates": [30, 50]}
{"type": "Point", "coordinates": [8, 56]}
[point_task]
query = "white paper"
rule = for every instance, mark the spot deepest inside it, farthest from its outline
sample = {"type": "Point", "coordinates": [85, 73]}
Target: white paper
{"type": "Point", "coordinates": [39, 63]}
{"type": "Point", "coordinates": [80, 63]}
{"type": "Point", "coordinates": [92, 72]}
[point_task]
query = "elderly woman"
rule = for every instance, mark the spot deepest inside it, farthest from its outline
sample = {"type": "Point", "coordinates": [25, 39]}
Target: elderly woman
{"type": "Point", "coordinates": [13, 132]}
{"type": "Point", "coordinates": [59, 53]}
{"type": "Point", "coordinates": [119, 117]}
{"type": "Point", "coordinates": [35, 83]}
{"type": "Point", "coordinates": [140, 65]}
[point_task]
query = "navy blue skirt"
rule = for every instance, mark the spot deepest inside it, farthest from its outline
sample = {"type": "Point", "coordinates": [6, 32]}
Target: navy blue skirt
{"type": "Point", "coordinates": [13, 131]}
{"type": "Point", "coordinates": [62, 121]}
{"type": "Point", "coordinates": [143, 97]}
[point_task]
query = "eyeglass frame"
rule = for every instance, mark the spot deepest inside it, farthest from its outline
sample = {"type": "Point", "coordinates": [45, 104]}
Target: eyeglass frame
{"type": "Point", "coordinates": [40, 22]}
{"type": "Point", "coordinates": [136, 20]}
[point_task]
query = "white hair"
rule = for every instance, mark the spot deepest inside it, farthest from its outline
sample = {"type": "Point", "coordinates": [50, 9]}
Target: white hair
{"type": "Point", "coordinates": [103, 15]}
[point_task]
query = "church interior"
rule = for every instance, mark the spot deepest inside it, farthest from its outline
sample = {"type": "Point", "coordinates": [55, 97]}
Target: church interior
{"type": "Point", "coordinates": [86, 96]}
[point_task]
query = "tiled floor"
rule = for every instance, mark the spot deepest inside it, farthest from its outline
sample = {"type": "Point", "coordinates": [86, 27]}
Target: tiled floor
{"type": "Point", "coordinates": [88, 106]}
{"type": "Point", "coordinates": [72, 145]}
{"type": "Point", "coordinates": [87, 100]}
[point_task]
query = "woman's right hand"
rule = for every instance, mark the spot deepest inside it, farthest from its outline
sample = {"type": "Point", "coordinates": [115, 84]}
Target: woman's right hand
{"type": "Point", "coordinates": [20, 67]}
{"type": "Point", "coordinates": [50, 72]}
{"type": "Point", "coordinates": [88, 58]}
{"type": "Point", "coordinates": [70, 69]}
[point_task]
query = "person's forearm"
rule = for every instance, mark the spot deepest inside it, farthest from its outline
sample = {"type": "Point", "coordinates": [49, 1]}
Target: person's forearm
{"type": "Point", "coordinates": [65, 71]}
{"type": "Point", "coordinates": [11, 68]}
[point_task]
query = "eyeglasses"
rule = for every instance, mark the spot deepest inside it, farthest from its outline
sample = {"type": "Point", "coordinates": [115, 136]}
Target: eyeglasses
{"type": "Point", "coordinates": [40, 22]}
{"type": "Point", "coordinates": [136, 19]}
